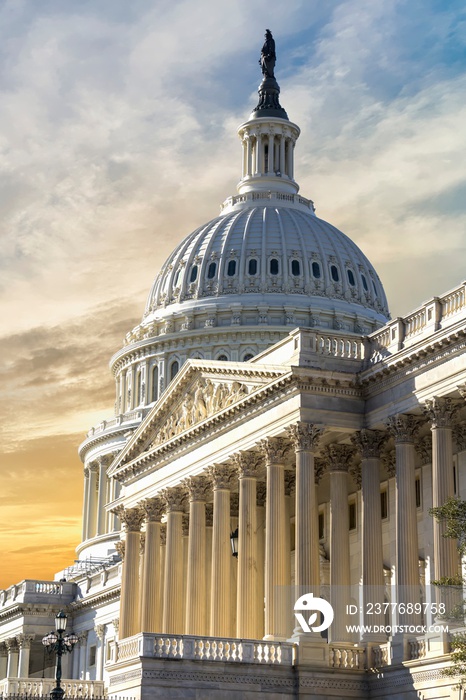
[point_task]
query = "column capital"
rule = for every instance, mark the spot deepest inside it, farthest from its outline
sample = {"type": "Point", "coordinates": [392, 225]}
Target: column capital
{"type": "Point", "coordinates": [234, 505]}
{"type": "Point", "coordinates": [12, 645]}
{"type": "Point", "coordinates": [185, 525]}
{"type": "Point", "coordinates": [99, 631]}
{"type": "Point", "coordinates": [261, 493]}
{"type": "Point", "coordinates": [3, 649]}
{"type": "Point", "coordinates": [368, 442]}
{"type": "Point", "coordinates": [24, 640]}
{"type": "Point", "coordinates": [104, 460]}
{"type": "Point", "coordinates": [132, 518]}
{"type": "Point", "coordinates": [423, 447]}
{"type": "Point", "coordinates": [197, 487]}
{"type": "Point", "coordinates": [319, 469]}
{"type": "Point", "coordinates": [163, 534]}
{"type": "Point", "coordinates": [93, 467]}
{"type": "Point", "coordinates": [338, 457]}
{"type": "Point", "coordinates": [221, 476]}
{"type": "Point", "coordinates": [153, 508]}
{"type": "Point", "coordinates": [403, 427]}
{"type": "Point", "coordinates": [175, 499]}
{"type": "Point", "coordinates": [116, 624]}
{"type": "Point", "coordinates": [86, 472]}
{"type": "Point", "coordinates": [82, 638]}
{"type": "Point", "coordinates": [275, 449]}
{"type": "Point", "coordinates": [440, 411]}
{"type": "Point", "coordinates": [356, 474]}
{"type": "Point", "coordinates": [248, 464]}
{"type": "Point", "coordinates": [305, 436]}
{"type": "Point", "coordinates": [120, 547]}
{"type": "Point", "coordinates": [142, 544]}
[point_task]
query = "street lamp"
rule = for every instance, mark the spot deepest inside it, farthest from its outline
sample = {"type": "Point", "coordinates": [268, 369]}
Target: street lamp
{"type": "Point", "coordinates": [234, 543]}
{"type": "Point", "coordinates": [54, 641]}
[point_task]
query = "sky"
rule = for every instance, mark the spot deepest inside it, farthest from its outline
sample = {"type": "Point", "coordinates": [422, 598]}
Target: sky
{"type": "Point", "coordinates": [118, 138]}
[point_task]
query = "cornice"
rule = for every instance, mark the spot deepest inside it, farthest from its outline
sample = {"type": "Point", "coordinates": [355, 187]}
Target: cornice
{"type": "Point", "coordinates": [97, 599]}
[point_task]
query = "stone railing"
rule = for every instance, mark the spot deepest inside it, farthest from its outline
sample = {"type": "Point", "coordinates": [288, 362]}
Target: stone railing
{"type": "Point", "coordinates": [37, 591]}
{"type": "Point", "coordinates": [347, 657]}
{"type": "Point", "coordinates": [267, 195]}
{"type": "Point", "coordinates": [437, 314]}
{"type": "Point", "coordinates": [417, 648]}
{"type": "Point", "coordinates": [35, 687]}
{"type": "Point", "coordinates": [169, 646]}
{"type": "Point", "coordinates": [380, 656]}
{"type": "Point", "coordinates": [120, 420]}
{"type": "Point", "coordinates": [339, 346]}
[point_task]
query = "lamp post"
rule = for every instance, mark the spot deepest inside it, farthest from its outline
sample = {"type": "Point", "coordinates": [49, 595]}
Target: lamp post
{"type": "Point", "coordinates": [234, 543]}
{"type": "Point", "coordinates": [55, 641]}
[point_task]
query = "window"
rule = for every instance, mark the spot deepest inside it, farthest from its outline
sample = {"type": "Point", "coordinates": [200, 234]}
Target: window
{"type": "Point", "coordinates": [222, 358]}
{"type": "Point", "coordinates": [375, 288]}
{"type": "Point", "coordinates": [351, 279]}
{"type": "Point", "coordinates": [321, 525]}
{"type": "Point", "coordinates": [176, 278]}
{"type": "Point", "coordinates": [137, 398]}
{"type": "Point", "coordinates": [175, 366]}
{"type": "Point", "coordinates": [193, 276]}
{"type": "Point", "coordinates": [247, 357]}
{"type": "Point", "coordinates": [252, 266]}
{"type": "Point", "coordinates": [155, 383]}
{"type": "Point", "coordinates": [334, 272]}
{"type": "Point", "coordinates": [109, 651]}
{"type": "Point", "coordinates": [364, 283]}
{"type": "Point", "coordinates": [417, 486]}
{"type": "Point", "coordinates": [92, 655]}
{"type": "Point", "coordinates": [212, 269]}
{"type": "Point", "coordinates": [384, 504]}
{"type": "Point", "coordinates": [274, 266]}
{"type": "Point", "coordinates": [295, 268]}
{"type": "Point", "coordinates": [231, 269]}
{"type": "Point", "coordinates": [316, 270]}
{"type": "Point", "coordinates": [352, 515]}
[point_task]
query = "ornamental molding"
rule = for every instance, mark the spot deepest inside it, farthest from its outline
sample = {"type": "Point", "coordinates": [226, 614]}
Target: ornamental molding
{"type": "Point", "coordinates": [404, 428]}
{"type": "Point", "coordinates": [97, 600]}
{"type": "Point", "coordinates": [209, 515]}
{"type": "Point", "coordinates": [221, 476]}
{"type": "Point", "coordinates": [441, 411]}
{"type": "Point", "coordinates": [305, 436]}
{"type": "Point", "coordinates": [175, 499]}
{"type": "Point", "coordinates": [261, 493]}
{"type": "Point", "coordinates": [338, 457]}
{"type": "Point", "coordinates": [355, 471]}
{"type": "Point", "coordinates": [154, 509]}
{"type": "Point", "coordinates": [275, 450]}
{"type": "Point", "coordinates": [131, 518]}
{"type": "Point", "coordinates": [120, 547]}
{"type": "Point", "coordinates": [198, 487]}
{"type": "Point", "coordinates": [248, 465]}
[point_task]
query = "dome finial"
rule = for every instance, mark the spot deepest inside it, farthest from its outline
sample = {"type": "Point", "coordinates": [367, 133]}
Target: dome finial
{"type": "Point", "coordinates": [269, 105]}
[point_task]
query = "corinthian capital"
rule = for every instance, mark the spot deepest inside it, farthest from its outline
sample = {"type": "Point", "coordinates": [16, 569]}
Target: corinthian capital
{"type": "Point", "coordinates": [404, 428]}
{"type": "Point", "coordinates": [153, 508]}
{"type": "Point", "coordinates": [248, 464]}
{"type": "Point", "coordinates": [338, 457]}
{"type": "Point", "coordinates": [120, 547]}
{"type": "Point", "coordinates": [440, 411]}
{"type": "Point", "coordinates": [368, 442]}
{"type": "Point", "coordinates": [175, 498]}
{"type": "Point", "coordinates": [221, 476]}
{"type": "Point", "coordinates": [132, 518]}
{"type": "Point", "coordinates": [275, 450]}
{"type": "Point", "coordinates": [304, 436]}
{"type": "Point", "coordinates": [197, 487]}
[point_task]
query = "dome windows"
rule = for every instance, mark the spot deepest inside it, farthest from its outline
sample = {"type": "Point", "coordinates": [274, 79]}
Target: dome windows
{"type": "Point", "coordinates": [334, 273]}
{"type": "Point", "coordinates": [174, 369]}
{"type": "Point", "coordinates": [364, 283]}
{"type": "Point", "coordinates": [295, 268]}
{"type": "Point", "coordinates": [316, 271]}
{"type": "Point", "coordinates": [231, 268]}
{"type": "Point", "coordinates": [248, 357]}
{"type": "Point", "coordinates": [177, 278]}
{"type": "Point", "coordinates": [211, 270]}
{"type": "Point", "coordinates": [274, 266]}
{"type": "Point", "coordinates": [252, 266]}
{"type": "Point", "coordinates": [351, 279]}
{"type": "Point", "coordinates": [375, 289]}
{"type": "Point", "coordinates": [193, 275]}
{"type": "Point", "coordinates": [222, 358]}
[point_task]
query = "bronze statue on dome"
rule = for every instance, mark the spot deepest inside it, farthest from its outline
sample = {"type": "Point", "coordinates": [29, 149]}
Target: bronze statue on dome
{"type": "Point", "coordinates": [268, 56]}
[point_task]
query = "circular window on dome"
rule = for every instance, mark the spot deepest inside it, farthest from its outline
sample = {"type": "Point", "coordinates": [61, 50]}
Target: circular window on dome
{"type": "Point", "coordinates": [334, 273]}
{"type": "Point", "coordinates": [211, 270]}
{"type": "Point", "coordinates": [252, 266]}
{"type": "Point", "coordinates": [231, 269]}
{"type": "Point", "coordinates": [364, 283]}
{"type": "Point", "coordinates": [351, 279]}
{"type": "Point", "coordinates": [295, 268]}
{"type": "Point", "coordinates": [274, 266]}
{"type": "Point", "coordinates": [193, 276]}
{"type": "Point", "coordinates": [316, 272]}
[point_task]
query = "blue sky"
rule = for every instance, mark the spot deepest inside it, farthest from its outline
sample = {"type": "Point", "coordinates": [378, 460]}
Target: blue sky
{"type": "Point", "coordinates": [118, 138]}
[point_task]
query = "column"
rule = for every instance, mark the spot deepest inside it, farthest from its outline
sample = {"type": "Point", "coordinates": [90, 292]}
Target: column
{"type": "Point", "coordinates": [13, 652]}
{"type": "Point", "coordinates": [99, 665]}
{"type": "Point", "coordinates": [197, 487]}
{"type": "Point", "coordinates": [132, 519]}
{"type": "Point", "coordinates": [173, 585]}
{"type": "Point", "coordinates": [259, 154]}
{"type": "Point", "coordinates": [441, 412]}
{"type": "Point", "coordinates": [305, 438]}
{"type": "Point", "coordinates": [282, 166]}
{"type": "Point", "coordinates": [163, 551]}
{"type": "Point", "coordinates": [3, 661]}
{"type": "Point", "coordinates": [261, 498]}
{"type": "Point", "coordinates": [404, 429]}
{"type": "Point", "coordinates": [92, 501]}
{"type": "Point", "coordinates": [220, 620]}
{"type": "Point", "coordinates": [82, 642]}
{"type": "Point", "coordinates": [24, 644]}
{"type": "Point", "coordinates": [248, 155]}
{"type": "Point", "coordinates": [369, 444]}
{"type": "Point", "coordinates": [247, 465]}
{"type": "Point", "coordinates": [276, 595]}
{"type": "Point", "coordinates": [85, 504]}
{"type": "Point", "coordinates": [103, 463]}
{"type": "Point", "coordinates": [151, 607]}
{"type": "Point", "coordinates": [338, 458]}
{"type": "Point", "coordinates": [270, 165]}
{"type": "Point", "coordinates": [123, 401]}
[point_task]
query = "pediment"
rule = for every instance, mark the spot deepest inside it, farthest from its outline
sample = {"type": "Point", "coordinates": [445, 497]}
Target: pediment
{"type": "Point", "coordinates": [200, 392]}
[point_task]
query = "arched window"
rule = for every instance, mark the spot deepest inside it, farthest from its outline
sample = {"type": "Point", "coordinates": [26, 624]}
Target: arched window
{"type": "Point", "coordinates": [334, 272]}
{"type": "Point", "coordinates": [155, 383]}
{"type": "Point", "coordinates": [193, 276]}
{"type": "Point", "coordinates": [222, 358]}
{"type": "Point", "coordinates": [351, 279]}
{"type": "Point", "coordinates": [212, 269]}
{"type": "Point", "coordinates": [231, 269]}
{"type": "Point", "coordinates": [137, 396]}
{"type": "Point", "coordinates": [375, 288]}
{"type": "Point", "coordinates": [316, 270]}
{"type": "Point", "coordinates": [252, 266]}
{"type": "Point", "coordinates": [274, 266]}
{"type": "Point", "coordinates": [174, 367]}
{"type": "Point", "coordinates": [176, 279]}
{"type": "Point", "coordinates": [247, 357]}
{"type": "Point", "coordinates": [295, 268]}
{"type": "Point", "coordinates": [364, 283]}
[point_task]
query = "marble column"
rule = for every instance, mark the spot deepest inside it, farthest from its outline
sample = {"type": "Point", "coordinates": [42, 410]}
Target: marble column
{"type": "Point", "coordinates": [85, 504]}
{"type": "Point", "coordinates": [92, 500]}
{"type": "Point", "coordinates": [404, 429]}
{"type": "Point", "coordinates": [220, 619]}
{"type": "Point", "coordinates": [82, 642]}
{"type": "Point", "coordinates": [24, 644]}
{"type": "Point", "coordinates": [132, 519]}
{"type": "Point", "coordinates": [151, 607]}
{"type": "Point", "coordinates": [441, 412]}
{"type": "Point", "coordinates": [369, 444]}
{"type": "Point", "coordinates": [3, 660]}
{"type": "Point", "coordinates": [277, 615]}
{"type": "Point", "coordinates": [174, 585]}
{"type": "Point", "coordinates": [99, 662]}
{"type": "Point", "coordinates": [103, 463]}
{"type": "Point", "coordinates": [305, 439]}
{"type": "Point", "coordinates": [13, 658]}
{"type": "Point", "coordinates": [197, 487]}
{"type": "Point", "coordinates": [338, 458]}
{"type": "Point", "coordinates": [261, 498]}
{"type": "Point", "coordinates": [247, 464]}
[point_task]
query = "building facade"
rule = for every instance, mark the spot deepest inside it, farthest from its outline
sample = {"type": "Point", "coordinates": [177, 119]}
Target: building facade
{"type": "Point", "coordinates": [267, 402]}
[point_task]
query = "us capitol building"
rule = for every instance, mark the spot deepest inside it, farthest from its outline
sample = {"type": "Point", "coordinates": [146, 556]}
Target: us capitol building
{"type": "Point", "coordinates": [277, 439]}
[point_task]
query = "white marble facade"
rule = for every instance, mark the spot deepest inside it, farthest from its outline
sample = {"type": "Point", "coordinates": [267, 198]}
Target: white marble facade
{"type": "Point", "coordinates": [265, 389]}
